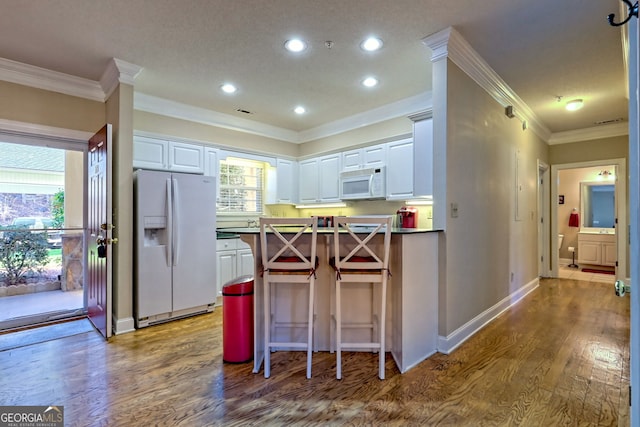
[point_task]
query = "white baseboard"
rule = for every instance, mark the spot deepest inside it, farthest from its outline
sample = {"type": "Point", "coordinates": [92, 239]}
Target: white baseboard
{"type": "Point", "coordinates": [122, 326]}
{"type": "Point", "coordinates": [449, 343]}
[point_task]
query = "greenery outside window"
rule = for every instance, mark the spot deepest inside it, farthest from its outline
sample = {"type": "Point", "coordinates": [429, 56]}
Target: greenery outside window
{"type": "Point", "coordinates": [241, 186]}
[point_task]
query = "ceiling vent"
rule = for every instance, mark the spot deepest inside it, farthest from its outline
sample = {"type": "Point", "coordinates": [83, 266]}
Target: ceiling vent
{"type": "Point", "coordinates": [241, 110]}
{"type": "Point", "coordinates": [608, 122]}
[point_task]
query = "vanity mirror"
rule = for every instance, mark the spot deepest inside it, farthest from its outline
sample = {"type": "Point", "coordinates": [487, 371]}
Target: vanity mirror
{"type": "Point", "coordinates": [597, 206]}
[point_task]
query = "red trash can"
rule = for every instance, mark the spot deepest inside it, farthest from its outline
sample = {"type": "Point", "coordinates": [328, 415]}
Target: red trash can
{"type": "Point", "coordinates": [237, 320]}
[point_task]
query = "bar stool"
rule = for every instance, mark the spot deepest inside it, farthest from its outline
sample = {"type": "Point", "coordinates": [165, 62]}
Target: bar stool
{"type": "Point", "coordinates": [287, 258]}
{"type": "Point", "coordinates": [357, 259]}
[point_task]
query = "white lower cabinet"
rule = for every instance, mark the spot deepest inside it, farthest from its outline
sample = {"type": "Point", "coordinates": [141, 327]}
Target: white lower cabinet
{"type": "Point", "coordinates": [234, 258]}
{"type": "Point", "coordinates": [597, 249]}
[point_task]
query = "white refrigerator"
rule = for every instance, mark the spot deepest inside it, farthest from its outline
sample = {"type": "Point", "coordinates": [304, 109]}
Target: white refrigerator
{"type": "Point", "coordinates": [175, 237]}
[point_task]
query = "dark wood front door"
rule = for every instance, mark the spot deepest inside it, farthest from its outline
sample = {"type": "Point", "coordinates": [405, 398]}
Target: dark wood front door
{"type": "Point", "coordinates": [99, 231]}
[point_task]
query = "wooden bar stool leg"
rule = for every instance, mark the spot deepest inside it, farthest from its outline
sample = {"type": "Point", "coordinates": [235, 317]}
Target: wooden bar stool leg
{"type": "Point", "coordinates": [338, 332]}
{"type": "Point", "coordinates": [267, 326]}
{"type": "Point", "coordinates": [310, 325]}
{"type": "Point", "coordinates": [381, 326]}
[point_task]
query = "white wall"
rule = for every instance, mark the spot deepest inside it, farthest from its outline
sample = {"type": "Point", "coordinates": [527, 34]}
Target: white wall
{"type": "Point", "coordinates": [491, 246]}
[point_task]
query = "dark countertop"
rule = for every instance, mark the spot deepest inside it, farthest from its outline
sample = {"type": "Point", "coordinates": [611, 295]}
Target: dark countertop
{"type": "Point", "coordinates": [321, 230]}
{"type": "Point", "coordinates": [222, 233]}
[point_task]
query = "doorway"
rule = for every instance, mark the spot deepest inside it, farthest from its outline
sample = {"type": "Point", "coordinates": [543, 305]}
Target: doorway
{"type": "Point", "coordinates": [570, 215]}
{"type": "Point", "coordinates": [42, 226]}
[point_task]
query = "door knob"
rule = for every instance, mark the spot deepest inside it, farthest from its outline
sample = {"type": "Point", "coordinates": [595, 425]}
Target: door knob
{"type": "Point", "coordinates": [107, 226]}
{"type": "Point", "coordinates": [112, 241]}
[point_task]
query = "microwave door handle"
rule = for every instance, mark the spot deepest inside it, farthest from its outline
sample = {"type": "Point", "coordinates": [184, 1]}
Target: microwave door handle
{"type": "Point", "coordinates": [371, 185]}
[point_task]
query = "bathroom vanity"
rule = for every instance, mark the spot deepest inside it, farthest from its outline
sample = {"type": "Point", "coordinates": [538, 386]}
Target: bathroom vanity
{"type": "Point", "coordinates": [597, 248]}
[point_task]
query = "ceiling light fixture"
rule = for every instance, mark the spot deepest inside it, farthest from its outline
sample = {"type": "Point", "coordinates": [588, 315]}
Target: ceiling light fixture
{"type": "Point", "coordinates": [295, 45]}
{"type": "Point", "coordinates": [371, 44]}
{"type": "Point", "coordinates": [299, 110]}
{"type": "Point", "coordinates": [370, 82]}
{"type": "Point", "coordinates": [574, 105]}
{"type": "Point", "coordinates": [228, 88]}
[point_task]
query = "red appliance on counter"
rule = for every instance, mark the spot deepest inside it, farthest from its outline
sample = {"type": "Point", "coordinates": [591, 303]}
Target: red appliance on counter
{"type": "Point", "coordinates": [325, 221]}
{"type": "Point", "coordinates": [407, 217]}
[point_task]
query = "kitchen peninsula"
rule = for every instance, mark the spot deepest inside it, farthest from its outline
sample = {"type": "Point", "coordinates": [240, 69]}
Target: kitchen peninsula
{"type": "Point", "coordinates": [412, 298]}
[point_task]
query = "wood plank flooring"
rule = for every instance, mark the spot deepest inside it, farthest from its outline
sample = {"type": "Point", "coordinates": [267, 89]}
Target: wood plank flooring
{"type": "Point", "coordinates": [559, 357]}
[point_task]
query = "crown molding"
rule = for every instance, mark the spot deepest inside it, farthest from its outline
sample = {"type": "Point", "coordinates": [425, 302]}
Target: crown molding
{"type": "Point", "coordinates": [23, 128]}
{"type": "Point", "coordinates": [448, 43]}
{"type": "Point", "coordinates": [402, 108]}
{"type": "Point", "coordinates": [165, 107]}
{"type": "Point", "coordinates": [118, 71]}
{"type": "Point", "coordinates": [588, 134]}
{"type": "Point", "coordinates": [41, 78]}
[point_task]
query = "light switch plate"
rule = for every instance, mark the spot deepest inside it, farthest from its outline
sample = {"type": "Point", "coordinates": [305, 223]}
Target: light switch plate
{"type": "Point", "coordinates": [454, 210]}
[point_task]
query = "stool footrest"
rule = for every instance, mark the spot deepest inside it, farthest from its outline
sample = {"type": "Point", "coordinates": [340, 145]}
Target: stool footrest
{"type": "Point", "coordinates": [370, 345]}
{"type": "Point", "coordinates": [290, 325]}
{"type": "Point", "coordinates": [288, 344]}
{"type": "Point", "coordinates": [358, 325]}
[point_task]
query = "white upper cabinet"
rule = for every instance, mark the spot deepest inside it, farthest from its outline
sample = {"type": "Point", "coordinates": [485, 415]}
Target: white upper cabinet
{"type": "Point", "coordinates": [150, 153]}
{"type": "Point", "coordinates": [374, 156]}
{"type": "Point", "coordinates": [400, 169]}
{"type": "Point", "coordinates": [319, 179]}
{"type": "Point", "coordinates": [286, 181]}
{"type": "Point", "coordinates": [366, 157]}
{"type": "Point", "coordinates": [329, 178]}
{"type": "Point", "coordinates": [211, 165]}
{"type": "Point", "coordinates": [160, 154]}
{"type": "Point", "coordinates": [422, 156]}
{"type": "Point", "coordinates": [186, 157]}
{"type": "Point", "coordinates": [308, 183]}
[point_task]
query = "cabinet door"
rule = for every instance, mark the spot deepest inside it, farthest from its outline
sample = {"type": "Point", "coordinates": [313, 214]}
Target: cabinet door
{"type": "Point", "coordinates": [285, 181]}
{"type": "Point", "coordinates": [609, 254]}
{"type": "Point", "coordinates": [374, 156]}
{"type": "Point", "coordinates": [423, 157]}
{"type": "Point", "coordinates": [186, 157]}
{"type": "Point", "coordinates": [149, 153]}
{"type": "Point", "coordinates": [400, 169]}
{"type": "Point", "coordinates": [352, 160]}
{"type": "Point", "coordinates": [329, 176]}
{"type": "Point", "coordinates": [244, 262]}
{"type": "Point", "coordinates": [308, 182]}
{"type": "Point", "coordinates": [211, 167]}
{"type": "Point", "coordinates": [227, 269]}
{"type": "Point", "coordinates": [589, 252]}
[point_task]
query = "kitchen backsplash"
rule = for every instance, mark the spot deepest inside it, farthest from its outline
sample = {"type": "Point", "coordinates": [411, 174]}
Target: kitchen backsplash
{"type": "Point", "coordinates": [364, 207]}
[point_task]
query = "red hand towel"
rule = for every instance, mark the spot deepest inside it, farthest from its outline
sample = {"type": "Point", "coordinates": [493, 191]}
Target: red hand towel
{"type": "Point", "coordinates": [574, 220]}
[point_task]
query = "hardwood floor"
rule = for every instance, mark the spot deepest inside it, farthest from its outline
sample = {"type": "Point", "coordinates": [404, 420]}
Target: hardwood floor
{"type": "Point", "coordinates": [559, 357]}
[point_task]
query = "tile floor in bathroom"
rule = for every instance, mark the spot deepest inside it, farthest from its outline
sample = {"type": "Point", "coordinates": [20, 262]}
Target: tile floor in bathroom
{"type": "Point", "coordinates": [566, 272]}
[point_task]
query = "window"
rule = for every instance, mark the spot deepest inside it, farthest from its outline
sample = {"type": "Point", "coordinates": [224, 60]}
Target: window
{"type": "Point", "coordinates": [241, 186]}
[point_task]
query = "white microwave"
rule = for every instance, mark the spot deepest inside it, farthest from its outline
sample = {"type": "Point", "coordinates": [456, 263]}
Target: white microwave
{"type": "Point", "coordinates": [368, 183]}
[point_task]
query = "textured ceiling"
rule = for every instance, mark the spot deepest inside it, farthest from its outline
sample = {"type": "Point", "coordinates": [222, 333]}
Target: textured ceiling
{"type": "Point", "coordinates": [188, 48]}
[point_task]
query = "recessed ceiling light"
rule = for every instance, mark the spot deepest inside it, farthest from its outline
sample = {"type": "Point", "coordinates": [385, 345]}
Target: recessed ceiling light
{"type": "Point", "coordinates": [228, 88]}
{"type": "Point", "coordinates": [371, 44]}
{"type": "Point", "coordinates": [370, 82]}
{"type": "Point", "coordinates": [295, 45]}
{"type": "Point", "coordinates": [574, 105]}
{"type": "Point", "coordinates": [299, 110]}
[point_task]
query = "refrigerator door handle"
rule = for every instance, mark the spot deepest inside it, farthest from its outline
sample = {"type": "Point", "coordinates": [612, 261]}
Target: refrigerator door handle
{"type": "Point", "coordinates": [169, 213]}
{"type": "Point", "coordinates": [176, 222]}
